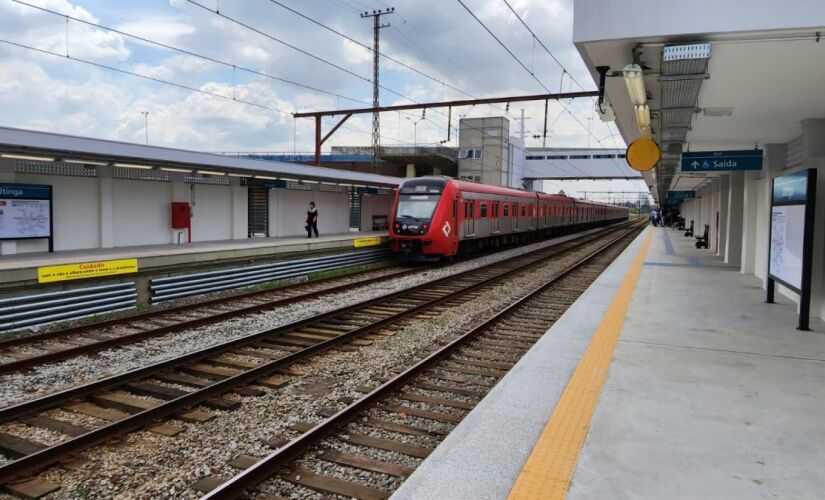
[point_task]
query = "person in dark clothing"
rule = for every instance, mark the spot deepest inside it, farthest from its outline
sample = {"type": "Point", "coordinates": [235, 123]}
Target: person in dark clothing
{"type": "Point", "coordinates": [312, 220]}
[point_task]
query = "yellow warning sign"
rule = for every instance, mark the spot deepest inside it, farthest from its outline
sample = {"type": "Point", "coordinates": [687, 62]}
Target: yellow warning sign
{"type": "Point", "coordinates": [65, 272]}
{"type": "Point", "coordinates": [367, 242]}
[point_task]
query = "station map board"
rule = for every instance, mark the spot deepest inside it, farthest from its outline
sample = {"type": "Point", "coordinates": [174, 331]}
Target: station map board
{"type": "Point", "coordinates": [791, 236]}
{"type": "Point", "coordinates": [25, 211]}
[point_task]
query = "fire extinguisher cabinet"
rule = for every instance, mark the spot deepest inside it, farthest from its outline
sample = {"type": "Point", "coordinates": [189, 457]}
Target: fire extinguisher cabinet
{"type": "Point", "coordinates": [181, 214]}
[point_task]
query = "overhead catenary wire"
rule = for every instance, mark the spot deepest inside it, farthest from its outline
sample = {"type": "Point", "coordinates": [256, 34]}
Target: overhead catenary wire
{"type": "Point", "coordinates": [190, 53]}
{"type": "Point", "coordinates": [146, 77]}
{"type": "Point", "coordinates": [564, 70]}
{"type": "Point", "coordinates": [510, 52]}
{"type": "Point", "coordinates": [305, 52]}
{"type": "Point", "coordinates": [370, 49]}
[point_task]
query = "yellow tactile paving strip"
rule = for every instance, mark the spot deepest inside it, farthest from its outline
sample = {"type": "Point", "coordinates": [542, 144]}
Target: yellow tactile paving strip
{"type": "Point", "coordinates": [547, 473]}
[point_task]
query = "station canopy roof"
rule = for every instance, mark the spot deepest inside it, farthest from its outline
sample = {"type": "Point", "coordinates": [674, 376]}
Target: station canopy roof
{"type": "Point", "coordinates": [60, 147]}
{"type": "Point", "coordinates": [759, 77]}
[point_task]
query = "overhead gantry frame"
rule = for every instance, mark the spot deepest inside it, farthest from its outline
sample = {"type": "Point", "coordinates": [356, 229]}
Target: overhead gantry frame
{"type": "Point", "coordinates": [318, 115]}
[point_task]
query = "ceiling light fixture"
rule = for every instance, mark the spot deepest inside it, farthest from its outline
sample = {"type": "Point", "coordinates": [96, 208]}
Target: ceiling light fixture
{"type": "Point", "coordinates": [265, 177]}
{"type": "Point", "coordinates": [634, 79]}
{"type": "Point", "coordinates": [210, 172]}
{"type": "Point", "coordinates": [26, 157]}
{"type": "Point", "coordinates": [643, 116]}
{"type": "Point", "coordinates": [85, 162]}
{"type": "Point", "coordinates": [172, 169]}
{"type": "Point", "coordinates": [133, 165]}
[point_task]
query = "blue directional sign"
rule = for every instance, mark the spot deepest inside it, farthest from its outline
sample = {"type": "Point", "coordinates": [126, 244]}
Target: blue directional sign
{"type": "Point", "coordinates": [676, 197]}
{"type": "Point", "coordinates": [722, 161]}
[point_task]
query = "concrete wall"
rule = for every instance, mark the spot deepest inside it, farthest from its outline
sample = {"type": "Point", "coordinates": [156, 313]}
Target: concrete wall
{"type": "Point", "coordinates": [374, 204]}
{"type": "Point", "coordinates": [76, 209]}
{"type": "Point", "coordinates": [288, 207]}
{"type": "Point", "coordinates": [102, 212]}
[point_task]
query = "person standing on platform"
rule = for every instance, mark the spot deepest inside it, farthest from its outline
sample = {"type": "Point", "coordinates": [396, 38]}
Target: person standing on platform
{"type": "Point", "coordinates": [654, 217]}
{"type": "Point", "coordinates": [312, 220]}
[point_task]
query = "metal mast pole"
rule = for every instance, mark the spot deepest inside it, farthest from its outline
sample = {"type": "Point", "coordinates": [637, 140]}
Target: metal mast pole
{"type": "Point", "coordinates": [376, 125]}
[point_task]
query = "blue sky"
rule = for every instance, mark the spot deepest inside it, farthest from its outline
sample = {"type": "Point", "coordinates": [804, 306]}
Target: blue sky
{"type": "Point", "coordinates": [436, 37]}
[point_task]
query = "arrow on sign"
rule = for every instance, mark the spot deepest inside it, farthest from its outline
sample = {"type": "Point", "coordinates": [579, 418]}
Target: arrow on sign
{"type": "Point", "coordinates": [694, 164]}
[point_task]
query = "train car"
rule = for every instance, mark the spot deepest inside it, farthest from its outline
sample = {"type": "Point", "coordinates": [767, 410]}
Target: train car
{"type": "Point", "coordinates": [435, 217]}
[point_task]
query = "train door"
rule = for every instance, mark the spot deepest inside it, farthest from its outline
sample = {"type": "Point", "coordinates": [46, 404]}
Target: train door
{"type": "Point", "coordinates": [495, 217]}
{"type": "Point", "coordinates": [514, 214]}
{"type": "Point", "coordinates": [469, 218]}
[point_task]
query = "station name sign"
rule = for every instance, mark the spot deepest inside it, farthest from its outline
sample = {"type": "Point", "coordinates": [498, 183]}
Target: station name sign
{"type": "Point", "coordinates": [722, 161]}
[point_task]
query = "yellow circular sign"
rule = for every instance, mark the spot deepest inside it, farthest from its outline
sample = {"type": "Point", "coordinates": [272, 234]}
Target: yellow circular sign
{"type": "Point", "coordinates": [643, 154]}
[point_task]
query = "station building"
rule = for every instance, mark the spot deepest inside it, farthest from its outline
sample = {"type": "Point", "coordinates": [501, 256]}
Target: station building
{"type": "Point", "coordinates": [107, 194]}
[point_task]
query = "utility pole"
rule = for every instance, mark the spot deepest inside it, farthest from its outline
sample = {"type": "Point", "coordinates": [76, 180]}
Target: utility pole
{"type": "Point", "coordinates": [376, 126]}
{"type": "Point", "coordinates": [146, 124]}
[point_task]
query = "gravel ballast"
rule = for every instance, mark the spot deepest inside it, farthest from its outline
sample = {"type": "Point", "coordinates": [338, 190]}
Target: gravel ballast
{"type": "Point", "coordinates": [148, 465]}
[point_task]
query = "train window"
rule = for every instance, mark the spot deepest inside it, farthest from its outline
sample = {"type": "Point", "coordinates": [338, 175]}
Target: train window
{"type": "Point", "coordinates": [483, 210]}
{"type": "Point", "coordinates": [523, 210]}
{"type": "Point", "coordinates": [455, 209]}
{"type": "Point", "coordinates": [506, 211]}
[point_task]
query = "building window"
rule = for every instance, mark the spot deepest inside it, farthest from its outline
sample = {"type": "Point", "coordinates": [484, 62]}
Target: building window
{"type": "Point", "coordinates": [469, 154]}
{"type": "Point", "coordinates": [620, 156]}
{"type": "Point", "coordinates": [493, 132]}
{"type": "Point", "coordinates": [557, 157]}
{"type": "Point", "coordinates": [579, 157]}
{"type": "Point", "coordinates": [604, 156]}
{"type": "Point", "coordinates": [529, 157]}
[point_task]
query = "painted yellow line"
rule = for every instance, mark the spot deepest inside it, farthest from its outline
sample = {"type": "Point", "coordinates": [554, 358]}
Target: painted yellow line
{"type": "Point", "coordinates": [547, 473]}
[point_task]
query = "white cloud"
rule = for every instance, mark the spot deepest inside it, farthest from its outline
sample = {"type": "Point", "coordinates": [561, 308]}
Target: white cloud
{"type": "Point", "coordinates": [355, 53]}
{"type": "Point", "coordinates": [436, 38]}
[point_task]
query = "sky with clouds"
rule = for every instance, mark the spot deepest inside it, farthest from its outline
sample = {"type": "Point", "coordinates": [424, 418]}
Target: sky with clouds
{"type": "Point", "coordinates": [45, 90]}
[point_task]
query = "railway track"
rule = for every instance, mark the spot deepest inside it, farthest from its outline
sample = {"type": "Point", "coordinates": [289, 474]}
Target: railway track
{"type": "Point", "coordinates": [146, 397]}
{"type": "Point", "coordinates": [35, 350]}
{"type": "Point", "coordinates": [412, 412]}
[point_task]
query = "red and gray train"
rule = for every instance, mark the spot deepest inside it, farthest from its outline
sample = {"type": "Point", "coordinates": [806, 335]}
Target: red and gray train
{"type": "Point", "coordinates": [434, 217]}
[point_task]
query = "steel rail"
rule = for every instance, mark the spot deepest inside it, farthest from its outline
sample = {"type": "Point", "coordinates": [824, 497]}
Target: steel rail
{"type": "Point", "coordinates": [178, 326]}
{"type": "Point", "coordinates": [53, 454]}
{"type": "Point", "coordinates": [275, 461]}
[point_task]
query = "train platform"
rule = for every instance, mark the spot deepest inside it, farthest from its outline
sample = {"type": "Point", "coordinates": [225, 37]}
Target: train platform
{"type": "Point", "coordinates": [22, 268]}
{"type": "Point", "coordinates": [670, 377]}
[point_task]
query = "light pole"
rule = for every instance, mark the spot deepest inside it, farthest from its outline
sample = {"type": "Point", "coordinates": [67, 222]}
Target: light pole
{"type": "Point", "coordinates": [415, 130]}
{"type": "Point", "coordinates": [146, 124]}
{"type": "Point", "coordinates": [589, 126]}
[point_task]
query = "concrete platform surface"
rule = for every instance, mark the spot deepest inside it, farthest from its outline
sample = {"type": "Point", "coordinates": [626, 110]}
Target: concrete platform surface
{"type": "Point", "coordinates": [711, 393]}
{"type": "Point", "coordinates": [23, 267]}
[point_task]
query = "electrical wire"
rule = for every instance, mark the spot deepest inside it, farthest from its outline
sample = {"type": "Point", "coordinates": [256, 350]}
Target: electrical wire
{"type": "Point", "coordinates": [386, 56]}
{"type": "Point", "coordinates": [564, 69]}
{"type": "Point", "coordinates": [191, 53]}
{"type": "Point", "coordinates": [146, 77]}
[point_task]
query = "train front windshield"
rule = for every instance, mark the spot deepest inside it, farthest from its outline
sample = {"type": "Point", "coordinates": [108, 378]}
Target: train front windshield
{"type": "Point", "coordinates": [417, 206]}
